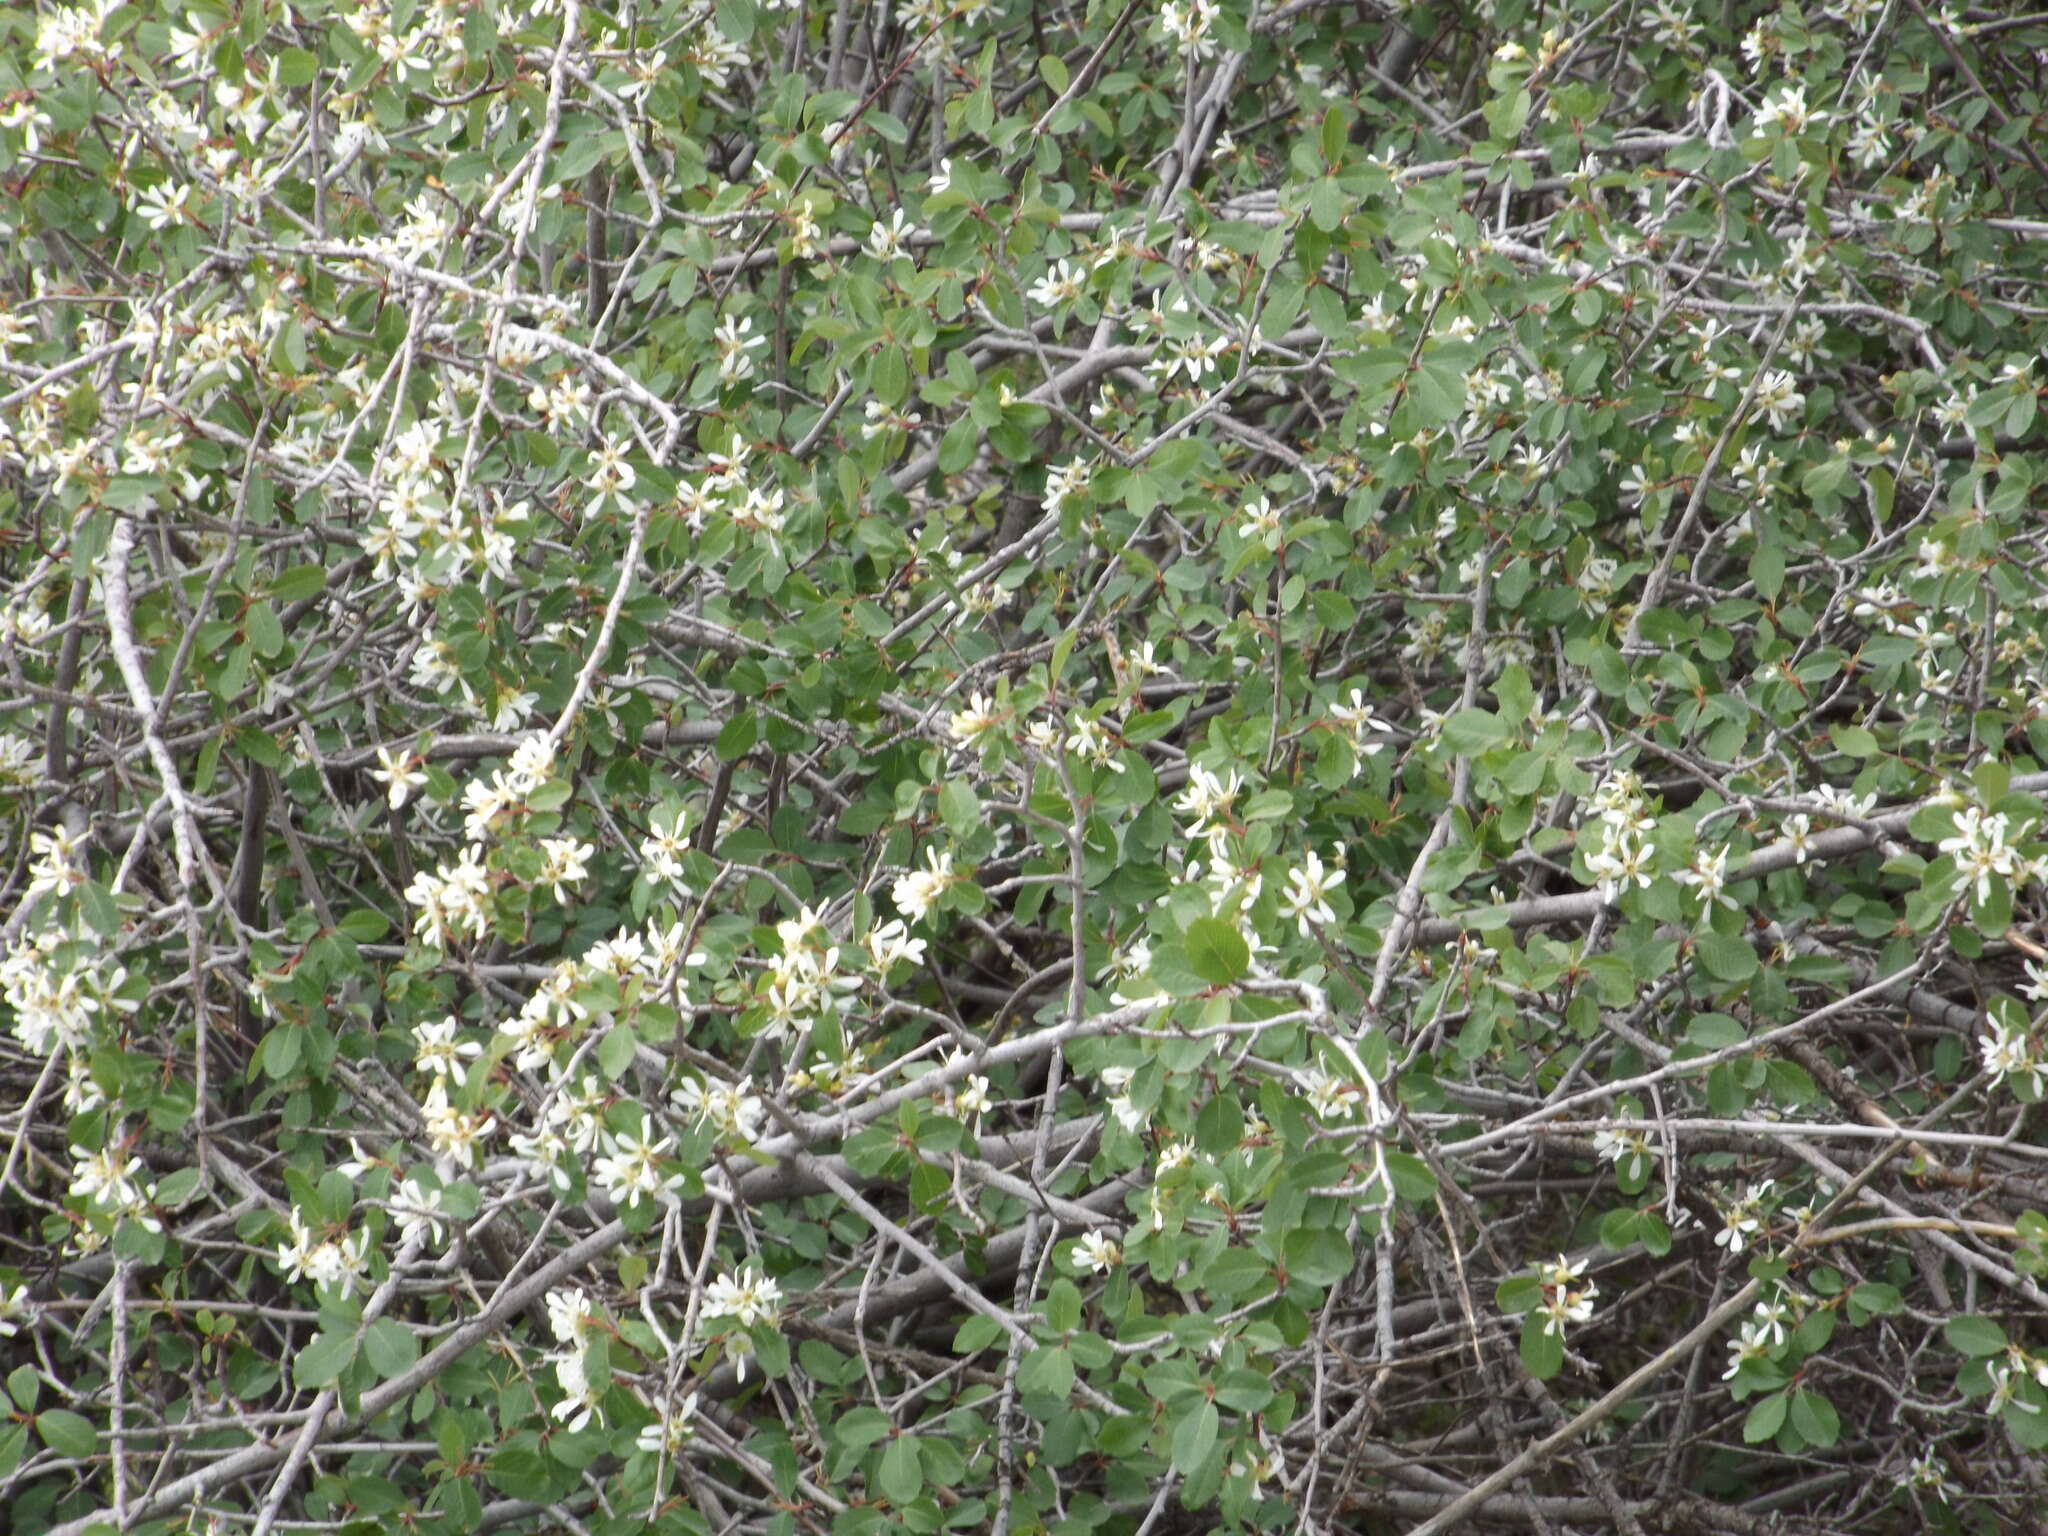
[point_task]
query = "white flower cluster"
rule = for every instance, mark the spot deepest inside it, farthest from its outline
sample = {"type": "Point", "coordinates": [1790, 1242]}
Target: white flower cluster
{"type": "Point", "coordinates": [1982, 847]}
{"type": "Point", "coordinates": [339, 1260]}
{"type": "Point", "coordinates": [631, 1171]}
{"type": "Point", "coordinates": [1764, 1330]}
{"type": "Point", "coordinates": [58, 863]}
{"type": "Point", "coordinates": [1709, 875]}
{"type": "Point", "coordinates": [1565, 1300]}
{"type": "Point", "coordinates": [452, 899]}
{"type": "Point", "coordinates": [105, 1177]}
{"type": "Point", "coordinates": [1627, 1147]}
{"type": "Point", "coordinates": [2007, 1371]}
{"type": "Point", "coordinates": [747, 1300]}
{"type": "Point", "coordinates": [1357, 721]}
{"type": "Point", "coordinates": [422, 535]}
{"type": "Point", "coordinates": [1624, 852]}
{"type": "Point", "coordinates": [965, 1099]}
{"type": "Point", "coordinates": [736, 1113]}
{"type": "Point", "coordinates": [571, 1124]}
{"type": "Point", "coordinates": [1207, 799]}
{"type": "Point", "coordinates": [805, 982]}
{"type": "Point", "coordinates": [2012, 1053]}
{"type": "Point", "coordinates": [1742, 1221]}
{"type": "Point", "coordinates": [54, 1009]}
{"type": "Point", "coordinates": [455, 1134]}
{"type": "Point", "coordinates": [1187, 25]}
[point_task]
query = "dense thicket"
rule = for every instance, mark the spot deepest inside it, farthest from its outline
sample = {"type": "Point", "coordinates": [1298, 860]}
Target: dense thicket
{"type": "Point", "coordinates": [1022, 766]}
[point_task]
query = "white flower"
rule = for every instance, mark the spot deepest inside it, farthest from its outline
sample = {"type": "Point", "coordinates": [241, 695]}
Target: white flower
{"type": "Point", "coordinates": [1259, 523]}
{"type": "Point", "coordinates": [664, 847]}
{"type": "Point", "coordinates": [14, 1310]}
{"type": "Point", "coordinates": [631, 1170]}
{"type": "Point", "coordinates": [1187, 23]}
{"type": "Point", "coordinates": [532, 762]}
{"type": "Point", "coordinates": [1625, 1147]}
{"type": "Point", "coordinates": [1068, 480]}
{"type": "Point", "coordinates": [454, 1134]}
{"type": "Point", "coordinates": [1746, 1347]}
{"type": "Point", "coordinates": [106, 1175]}
{"type": "Point", "coordinates": [59, 863]}
{"type": "Point", "coordinates": [580, 1398]}
{"type": "Point", "coordinates": [890, 942]}
{"type": "Point", "coordinates": [729, 1106]}
{"type": "Point", "coordinates": [486, 802]}
{"type": "Point", "coordinates": [335, 1261]}
{"type": "Point", "coordinates": [437, 1051]}
{"type": "Point", "coordinates": [569, 1314]}
{"type": "Point", "coordinates": [969, 725]}
{"type": "Point", "coordinates": [1742, 1220]}
{"type": "Point", "coordinates": [916, 893]}
{"type": "Point", "coordinates": [1357, 719]}
{"type": "Point", "coordinates": [1096, 1253]}
{"type": "Point", "coordinates": [735, 340]}
{"type": "Point", "coordinates": [1789, 110]}
{"type": "Point", "coordinates": [668, 1433]}
{"type": "Point", "coordinates": [1778, 399]}
{"type": "Point", "coordinates": [1308, 886]}
{"type": "Point", "coordinates": [1980, 850]}
{"type": "Point", "coordinates": [1710, 873]}
{"type": "Point", "coordinates": [1799, 833]}
{"type": "Point", "coordinates": [746, 1300]}
{"type": "Point", "coordinates": [885, 241]}
{"type": "Point", "coordinates": [419, 1210]}
{"type": "Point", "coordinates": [1329, 1097]}
{"type": "Point", "coordinates": [1061, 284]}
{"type": "Point", "coordinates": [2009, 1053]}
{"type": "Point", "coordinates": [568, 863]}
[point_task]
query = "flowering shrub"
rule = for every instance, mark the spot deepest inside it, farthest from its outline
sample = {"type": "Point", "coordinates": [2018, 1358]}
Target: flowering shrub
{"type": "Point", "coordinates": [963, 765]}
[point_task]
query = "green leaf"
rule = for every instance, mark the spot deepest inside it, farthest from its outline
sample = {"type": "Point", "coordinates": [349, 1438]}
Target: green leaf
{"type": "Point", "coordinates": [1542, 1351]}
{"type": "Point", "coordinates": [1815, 1419]}
{"type": "Point", "coordinates": [295, 66]}
{"type": "Point", "coordinates": [902, 1473]}
{"type": "Point", "coordinates": [1217, 951]}
{"type": "Point", "coordinates": [322, 1360]}
{"type": "Point", "coordinates": [1048, 1371]}
{"type": "Point", "coordinates": [861, 1427]}
{"type": "Point", "coordinates": [1974, 1336]}
{"type": "Point", "coordinates": [67, 1433]}
{"type": "Point", "coordinates": [736, 739]}
{"type": "Point", "coordinates": [958, 807]}
{"type": "Point", "coordinates": [1194, 1437]}
{"type": "Point", "coordinates": [1766, 1418]}
{"type": "Point", "coordinates": [1062, 1306]}
{"type": "Point", "coordinates": [364, 925]}
{"type": "Point", "coordinates": [1475, 730]}
{"type": "Point", "coordinates": [889, 376]}
{"type": "Point", "coordinates": [1724, 956]}
{"type": "Point", "coordinates": [390, 1347]}
{"type": "Point", "coordinates": [297, 583]}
